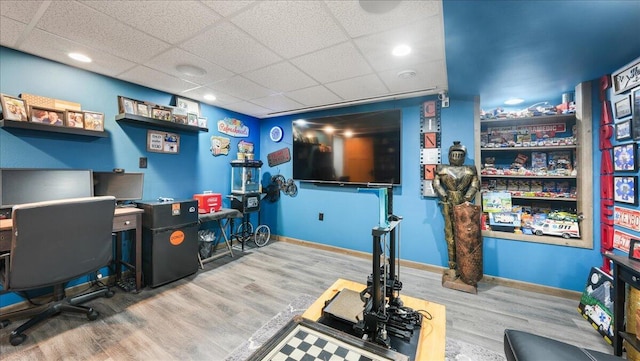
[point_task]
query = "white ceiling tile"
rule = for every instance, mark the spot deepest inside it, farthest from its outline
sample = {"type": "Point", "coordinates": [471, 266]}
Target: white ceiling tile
{"type": "Point", "coordinates": [424, 37]}
{"type": "Point", "coordinates": [10, 31]}
{"type": "Point", "coordinates": [248, 108]}
{"type": "Point", "coordinates": [281, 77]}
{"type": "Point", "coordinates": [336, 63]}
{"type": "Point", "coordinates": [200, 92]}
{"type": "Point", "coordinates": [226, 8]}
{"type": "Point", "coordinates": [98, 30]}
{"type": "Point", "coordinates": [156, 80]}
{"type": "Point", "coordinates": [170, 21]}
{"type": "Point", "coordinates": [56, 48]}
{"type": "Point", "coordinates": [428, 75]}
{"type": "Point", "coordinates": [359, 88]}
{"type": "Point", "coordinates": [358, 22]}
{"type": "Point", "coordinates": [167, 62]}
{"type": "Point", "coordinates": [306, 28]}
{"type": "Point", "coordinates": [316, 95]}
{"type": "Point", "coordinates": [242, 88]}
{"type": "Point", "coordinates": [277, 102]}
{"type": "Point", "coordinates": [21, 10]}
{"type": "Point", "coordinates": [230, 48]}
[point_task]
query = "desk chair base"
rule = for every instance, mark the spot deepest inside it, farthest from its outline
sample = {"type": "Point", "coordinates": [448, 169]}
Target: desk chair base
{"type": "Point", "coordinates": [59, 305]}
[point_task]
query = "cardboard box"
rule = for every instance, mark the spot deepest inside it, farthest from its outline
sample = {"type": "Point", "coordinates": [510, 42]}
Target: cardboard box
{"type": "Point", "coordinates": [208, 202]}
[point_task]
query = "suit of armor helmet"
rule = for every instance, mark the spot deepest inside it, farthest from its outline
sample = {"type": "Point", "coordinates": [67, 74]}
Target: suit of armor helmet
{"type": "Point", "coordinates": [455, 184]}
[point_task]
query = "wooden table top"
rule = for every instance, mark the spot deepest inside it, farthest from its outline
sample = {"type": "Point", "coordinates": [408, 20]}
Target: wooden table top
{"type": "Point", "coordinates": [432, 333]}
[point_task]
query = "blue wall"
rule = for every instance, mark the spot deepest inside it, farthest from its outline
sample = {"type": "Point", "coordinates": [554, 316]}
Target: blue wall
{"type": "Point", "coordinates": [348, 215]}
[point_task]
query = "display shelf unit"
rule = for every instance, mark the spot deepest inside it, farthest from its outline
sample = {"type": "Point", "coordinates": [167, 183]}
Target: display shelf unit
{"type": "Point", "coordinates": [581, 178]}
{"type": "Point", "coordinates": [139, 120]}
{"type": "Point", "coordinates": [12, 124]}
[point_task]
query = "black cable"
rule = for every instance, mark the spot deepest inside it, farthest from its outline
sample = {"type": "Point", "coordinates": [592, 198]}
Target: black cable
{"type": "Point", "coordinates": [425, 314]}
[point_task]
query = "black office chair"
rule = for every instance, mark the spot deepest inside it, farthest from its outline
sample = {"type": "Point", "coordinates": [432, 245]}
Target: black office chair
{"type": "Point", "coordinates": [55, 242]}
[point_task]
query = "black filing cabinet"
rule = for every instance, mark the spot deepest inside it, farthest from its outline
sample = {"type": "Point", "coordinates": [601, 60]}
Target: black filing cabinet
{"type": "Point", "coordinates": [169, 240]}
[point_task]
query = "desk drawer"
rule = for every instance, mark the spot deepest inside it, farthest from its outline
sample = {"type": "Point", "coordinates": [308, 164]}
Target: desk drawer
{"type": "Point", "coordinates": [122, 223]}
{"type": "Point", "coordinates": [5, 240]}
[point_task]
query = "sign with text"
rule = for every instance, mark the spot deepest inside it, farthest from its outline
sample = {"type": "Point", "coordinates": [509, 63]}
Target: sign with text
{"type": "Point", "coordinates": [627, 218]}
{"type": "Point", "coordinates": [233, 127]}
{"type": "Point", "coordinates": [621, 240]}
{"type": "Point", "coordinates": [163, 142]}
{"type": "Point", "coordinates": [278, 157]}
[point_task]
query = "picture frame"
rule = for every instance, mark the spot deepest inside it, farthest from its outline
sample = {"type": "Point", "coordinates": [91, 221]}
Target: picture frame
{"type": "Point", "coordinates": [73, 119]}
{"type": "Point", "coordinates": [635, 119]}
{"type": "Point", "coordinates": [191, 106]}
{"type": "Point", "coordinates": [14, 108]}
{"type": "Point", "coordinates": [161, 113]}
{"type": "Point", "coordinates": [624, 157]}
{"type": "Point", "coordinates": [143, 110]}
{"type": "Point", "coordinates": [203, 122]}
{"type": "Point", "coordinates": [93, 121]}
{"type": "Point", "coordinates": [192, 119]}
{"type": "Point", "coordinates": [623, 107]}
{"type": "Point", "coordinates": [623, 130]}
{"type": "Point", "coordinates": [625, 189]}
{"type": "Point", "coordinates": [48, 116]}
{"type": "Point", "coordinates": [634, 249]}
{"type": "Point", "coordinates": [127, 105]}
{"type": "Point", "coordinates": [163, 142]}
{"type": "Point", "coordinates": [626, 78]}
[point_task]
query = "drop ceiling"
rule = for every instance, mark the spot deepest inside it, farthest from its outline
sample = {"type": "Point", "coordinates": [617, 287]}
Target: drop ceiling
{"type": "Point", "coordinates": [270, 58]}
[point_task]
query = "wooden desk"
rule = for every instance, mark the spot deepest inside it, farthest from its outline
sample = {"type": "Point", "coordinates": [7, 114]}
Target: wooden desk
{"type": "Point", "coordinates": [625, 271]}
{"type": "Point", "coordinates": [124, 219]}
{"type": "Point", "coordinates": [220, 217]}
{"type": "Point", "coordinates": [432, 333]}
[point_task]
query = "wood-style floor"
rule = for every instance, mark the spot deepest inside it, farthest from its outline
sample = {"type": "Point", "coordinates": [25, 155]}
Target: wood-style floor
{"type": "Point", "coordinates": [207, 315]}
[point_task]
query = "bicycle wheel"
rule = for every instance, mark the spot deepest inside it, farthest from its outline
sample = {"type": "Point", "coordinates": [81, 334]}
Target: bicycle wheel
{"type": "Point", "coordinates": [262, 235]}
{"type": "Point", "coordinates": [242, 232]}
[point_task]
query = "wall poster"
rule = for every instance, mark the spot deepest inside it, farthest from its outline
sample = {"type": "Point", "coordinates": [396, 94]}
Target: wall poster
{"type": "Point", "coordinates": [163, 142]}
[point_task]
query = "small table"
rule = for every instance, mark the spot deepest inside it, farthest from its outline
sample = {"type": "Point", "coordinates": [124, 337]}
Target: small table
{"type": "Point", "coordinates": [432, 332]}
{"type": "Point", "coordinates": [220, 217]}
{"type": "Point", "coordinates": [625, 271]}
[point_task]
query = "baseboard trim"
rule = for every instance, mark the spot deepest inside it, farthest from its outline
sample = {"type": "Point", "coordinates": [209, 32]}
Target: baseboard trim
{"type": "Point", "coordinates": [526, 286]}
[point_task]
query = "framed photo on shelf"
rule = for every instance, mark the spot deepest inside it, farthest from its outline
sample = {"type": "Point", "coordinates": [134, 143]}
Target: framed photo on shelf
{"type": "Point", "coordinates": [635, 120]}
{"type": "Point", "coordinates": [94, 121]}
{"type": "Point", "coordinates": [143, 110]}
{"type": "Point", "coordinates": [623, 130]}
{"type": "Point", "coordinates": [192, 119]}
{"type": "Point", "coordinates": [14, 108]}
{"type": "Point", "coordinates": [161, 113]}
{"type": "Point", "coordinates": [191, 106]}
{"type": "Point", "coordinates": [202, 122]}
{"type": "Point", "coordinates": [625, 189]}
{"type": "Point", "coordinates": [74, 119]}
{"type": "Point", "coordinates": [623, 107]}
{"type": "Point", "coordinates": [126, 105]}
{"type": "Point", "coordinates": [624, 157]}
{"type": "Point", "coordinates": [634, 249]}
{"type": "Point", "coordinates": [47, 116]}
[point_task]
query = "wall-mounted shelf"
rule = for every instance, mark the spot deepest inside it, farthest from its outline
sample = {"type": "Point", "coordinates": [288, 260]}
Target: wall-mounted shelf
{"type": "Point", "coordinates": [541, 148]}
{"type": "Point", "coordinates": [139, 120]}
{"type": "Point", "coordinates": [528, 176]}
{"type": "Point", "coordinates": [12, 124]}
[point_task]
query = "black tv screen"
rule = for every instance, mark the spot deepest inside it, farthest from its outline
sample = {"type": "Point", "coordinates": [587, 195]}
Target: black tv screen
{"type": "Point", "coordinates": [123, 186]}
{"type": "Point", "coordinates": [359, 149]}
{"type": "Point", "coordinates": [21, 185]}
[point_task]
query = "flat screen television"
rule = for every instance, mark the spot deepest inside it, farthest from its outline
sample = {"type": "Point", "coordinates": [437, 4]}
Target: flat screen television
{"type": "Point", "coordinates": [22, 185]}
{"type": "Point", "coordinates": [124, 186]}
{"type": "Point", "coordinates": [350, 149]}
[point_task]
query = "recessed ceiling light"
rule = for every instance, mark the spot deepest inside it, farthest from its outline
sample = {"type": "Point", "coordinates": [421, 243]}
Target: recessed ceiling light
{"type": "Point", "coordinates": [210, 97]}
{"type": "Point", "coordinates": [190, 70]}
{"type": "Point", "coordinates": [401, 50]}
{"type": "Point", "coordinates": [513, 101]}
{"type": "Point", "coordinates": [378, 6]}
{"type": "Point", "coordinates": [406, 74]}
{"type": "Point", "coordinates": [80, 57]}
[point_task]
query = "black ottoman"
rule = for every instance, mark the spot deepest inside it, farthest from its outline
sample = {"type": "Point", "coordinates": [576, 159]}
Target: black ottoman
{"type": "Point", "coordinates": [523, 346]}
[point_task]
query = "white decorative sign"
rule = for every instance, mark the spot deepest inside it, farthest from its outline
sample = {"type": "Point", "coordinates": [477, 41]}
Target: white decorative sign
{"type": "Point", "coordinates": [627, 78]}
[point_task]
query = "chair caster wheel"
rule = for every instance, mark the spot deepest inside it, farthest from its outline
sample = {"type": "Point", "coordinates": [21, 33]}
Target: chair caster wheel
{"type": "Point", "coordinates": [93, 315]}
{"type": "Point", "coordinates": [109, 294]}
{"type": "Point", "coordinates": [4, 323]}
{"type": "Point", "coordinates": [17, 338]}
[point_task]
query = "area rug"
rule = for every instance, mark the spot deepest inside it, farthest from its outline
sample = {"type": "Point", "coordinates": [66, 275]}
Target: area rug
{"type": "Point", "coordinates": [455, 350]}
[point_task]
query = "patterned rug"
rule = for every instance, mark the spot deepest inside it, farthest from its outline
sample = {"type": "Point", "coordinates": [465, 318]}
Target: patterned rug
{"type": "Point", "coordinates": [455, 350]}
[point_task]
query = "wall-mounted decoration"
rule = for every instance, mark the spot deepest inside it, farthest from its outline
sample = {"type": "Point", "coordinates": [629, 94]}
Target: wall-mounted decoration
{"type": "Point", "coordinates": [220, 145]}
{"type": "Point", "coordinates": [634, 249]}
{"type": "Point", "coordinates": [233, 127]}
{"type": "Point", "coordinates": [47, 116]}
{"type": "Point", "coordinates": [624, 157]}
{"type": "Point", "coordinates": [13, 108]}
{"type": "Point", "coordinates": [430, 153]}
{"type": "Point", "coordinates": [126, 105]}
{"type": "Point", "coordinates": [202, 122]}
{"type": "Point", "coordinates": [635, 122]}
{"type": "Point", "coordinates": [93, 121]}
{"type": "Point", "coordinates": [161, 113]}
{"type": "Point", "coordinates": [626, 78]}
{"type": "Point", "coordinates": [192, 119]}
{"type": "Point", "coordinates": [191, 106]}
{"type": "Point", "coordinates": [245, 147]}
{"type": "Point", "coordinates": [163, 142]}
{"type": "Point", "coordinates": [276, 134]}
{"type": "Point", "coordinates": [623, 130]}
{"type": "Point", "coordinates": [278, 157]}
{"type": "Point", "coordinates": [621, 240]}
{"type": "Point", "coordinates": [143, 110]}
{"type": "Point", "coordinates": [74, 119]}
{"type": "Point", "coordinates": [626, 218]}
{"type": "Point", "coordinates": [625, 189]}
{"type": "Point", "coordinates": [623, 107]}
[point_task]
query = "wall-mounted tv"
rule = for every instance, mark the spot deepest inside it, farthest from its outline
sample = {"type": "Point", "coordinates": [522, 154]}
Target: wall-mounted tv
{"type": "Point", "coordinates": [358, 149]}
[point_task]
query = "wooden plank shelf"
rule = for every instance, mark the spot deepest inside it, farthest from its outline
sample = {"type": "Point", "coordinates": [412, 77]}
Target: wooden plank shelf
{"type": "Point", "coordinates": [12, 124]}
{"type": "Point", "coordinates": [147, 122]}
